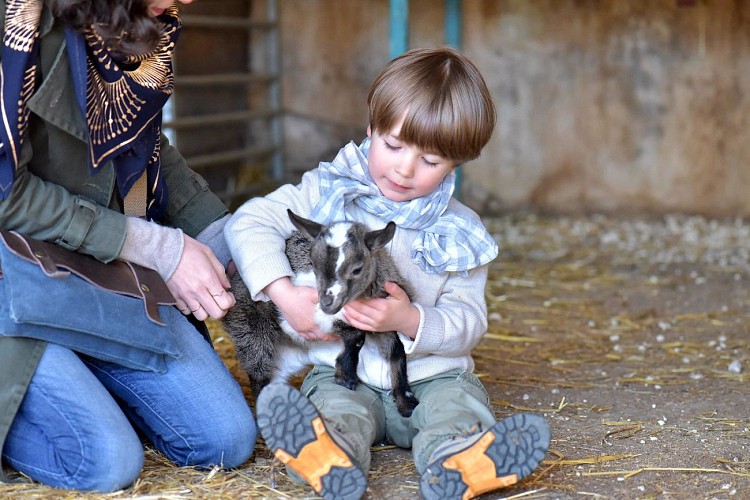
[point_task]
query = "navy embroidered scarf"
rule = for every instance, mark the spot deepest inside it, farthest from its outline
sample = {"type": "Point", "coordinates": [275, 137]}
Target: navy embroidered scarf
{"type": "Point", "coordinates": [120, 100]}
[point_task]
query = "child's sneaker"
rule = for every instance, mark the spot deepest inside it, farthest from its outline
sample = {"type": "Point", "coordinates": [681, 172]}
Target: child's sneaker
{"type": "Point", "coordinates": [502, 456]}
{"type": "Point", "coordinates": [294, 431]}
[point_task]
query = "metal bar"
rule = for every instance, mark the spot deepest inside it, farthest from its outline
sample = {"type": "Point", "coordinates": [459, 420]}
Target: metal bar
{"type": "Point", "coordinates": [219, 118]}
{"type": "Point", "coordinates": [223, 79]}
{"type": "Point", "coordinates": [453, 21]}
{"type": "Point", "coordinates": [452, 34]}
{"type": "Point", "coordinates": [225, 22]}
{"type": "Point", "coordinates": [201, 161]}
{"type": "Point", "coordinates": [399, 27]}
{"type": "Point", "coordinates": [274, 98]}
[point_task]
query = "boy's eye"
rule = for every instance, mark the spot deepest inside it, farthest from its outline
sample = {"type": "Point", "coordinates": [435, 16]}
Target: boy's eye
{"type": "Point", "coordinates": [390, 146]}
{"type": "Point", "coordinates": [429, 163]}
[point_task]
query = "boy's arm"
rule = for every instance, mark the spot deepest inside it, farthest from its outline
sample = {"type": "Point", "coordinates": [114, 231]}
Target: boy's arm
{"type": "Point", "coordinates": [256, 236]}
{"type": "Point", "coordinates": [457, 322]}
{"type": "Point", "coordinates": [257, 231]}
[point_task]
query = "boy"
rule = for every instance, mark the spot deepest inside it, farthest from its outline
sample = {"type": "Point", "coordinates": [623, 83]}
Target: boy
{"type": "Point", "coordinates": [430, 110]}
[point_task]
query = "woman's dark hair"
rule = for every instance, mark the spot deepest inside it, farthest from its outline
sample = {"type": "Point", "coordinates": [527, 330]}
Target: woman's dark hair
{"type": "Point", "coordinates": [126, 27]}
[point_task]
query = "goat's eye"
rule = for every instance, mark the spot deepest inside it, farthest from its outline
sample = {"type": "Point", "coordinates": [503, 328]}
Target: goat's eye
{"type": "Point", "coordinates": [356, 271]}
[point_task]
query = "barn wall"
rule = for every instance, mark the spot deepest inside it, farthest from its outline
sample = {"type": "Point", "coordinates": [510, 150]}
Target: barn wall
{"type": "Point", "coordinates": [627, 106]}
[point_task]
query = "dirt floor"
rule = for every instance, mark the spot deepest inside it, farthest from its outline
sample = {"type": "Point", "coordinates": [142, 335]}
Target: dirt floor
{"type": "Point", "coordinates": [628, 335]}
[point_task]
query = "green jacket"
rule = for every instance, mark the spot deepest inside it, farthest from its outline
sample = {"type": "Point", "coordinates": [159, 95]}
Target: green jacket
{"type": "Point", "coordinates": [55, 198]}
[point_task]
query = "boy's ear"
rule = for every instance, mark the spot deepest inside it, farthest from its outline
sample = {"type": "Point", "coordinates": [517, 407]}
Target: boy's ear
{"type": "Point", "coordinates": [369, 131]}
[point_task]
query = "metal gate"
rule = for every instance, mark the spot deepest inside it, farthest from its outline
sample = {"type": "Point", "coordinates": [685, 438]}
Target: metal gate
{"type": "Point", "coordinates": [225, 114]}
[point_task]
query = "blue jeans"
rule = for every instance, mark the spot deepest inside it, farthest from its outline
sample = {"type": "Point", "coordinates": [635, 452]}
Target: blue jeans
{"type": "Point", "coordinates": [76, 427]}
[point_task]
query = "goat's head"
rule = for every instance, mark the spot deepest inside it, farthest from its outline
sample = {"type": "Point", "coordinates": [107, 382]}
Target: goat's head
{"type": "Point", "coordinates": [342, 258]}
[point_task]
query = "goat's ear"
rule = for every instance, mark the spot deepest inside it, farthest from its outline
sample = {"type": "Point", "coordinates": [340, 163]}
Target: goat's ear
{"type": "Point", "coordinates": [380, 238]}
{"type": "Point", "coordinates": [308, 227]}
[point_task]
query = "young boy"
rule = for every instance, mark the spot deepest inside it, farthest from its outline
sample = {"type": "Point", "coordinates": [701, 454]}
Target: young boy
{"type": "Point", "coordinates": [430, 110]}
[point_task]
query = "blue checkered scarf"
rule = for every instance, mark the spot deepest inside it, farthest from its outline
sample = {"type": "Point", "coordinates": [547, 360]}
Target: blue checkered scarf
{"type": "Point", "coordinates": [446, 241]}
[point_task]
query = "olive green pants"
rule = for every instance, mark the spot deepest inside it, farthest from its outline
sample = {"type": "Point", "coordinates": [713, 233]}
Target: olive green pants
{"type": "Point", "coordinates": [450, 404]}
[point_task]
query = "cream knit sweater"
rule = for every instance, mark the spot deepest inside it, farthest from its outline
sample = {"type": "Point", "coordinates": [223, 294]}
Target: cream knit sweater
{"type": "Point", "coordinates": [453, 308]}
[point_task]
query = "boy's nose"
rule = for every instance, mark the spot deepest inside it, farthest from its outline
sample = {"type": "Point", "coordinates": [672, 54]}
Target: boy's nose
{"type": "Point", "coordinates": [405, 168]}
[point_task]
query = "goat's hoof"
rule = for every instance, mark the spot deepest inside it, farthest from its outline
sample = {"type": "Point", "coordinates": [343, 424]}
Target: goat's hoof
{"type": "Point", "coordinates": [350, 384]}
{"type": "Point", "coordinates": [406, 405]}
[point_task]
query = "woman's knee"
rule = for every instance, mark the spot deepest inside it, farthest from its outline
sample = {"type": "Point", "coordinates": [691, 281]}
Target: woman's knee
{"type": "Point", "coordinates": [69, 432]}
{"type": "Point", "coordinates": [101, 462]}
{"type": "Point", "coordinates": [227, 441]}
{"type": "Point", "coordinates": [113, 465]}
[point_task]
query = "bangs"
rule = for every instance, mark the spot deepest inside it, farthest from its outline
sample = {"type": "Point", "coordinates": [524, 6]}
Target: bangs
{"type": "Point", "coordinates": [445, 107]}
{"type": "Point", "coordinates": [442, 128]}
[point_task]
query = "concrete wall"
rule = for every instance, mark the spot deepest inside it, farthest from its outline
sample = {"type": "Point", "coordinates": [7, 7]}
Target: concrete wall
{"type": "Point", "coordinates": [611, 105]}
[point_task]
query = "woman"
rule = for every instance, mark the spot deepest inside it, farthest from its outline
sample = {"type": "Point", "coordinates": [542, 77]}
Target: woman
{"type": "Point", "coordinates": [84, 165]}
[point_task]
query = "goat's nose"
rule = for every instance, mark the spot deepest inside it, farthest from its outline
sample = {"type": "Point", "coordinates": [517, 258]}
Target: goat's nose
{"type": "Point", "coordinates": [327, 300]}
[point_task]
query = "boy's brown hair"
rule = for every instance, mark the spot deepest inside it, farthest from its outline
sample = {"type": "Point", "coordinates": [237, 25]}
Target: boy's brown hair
{"type": "Point", "coordinates": [444, 100]}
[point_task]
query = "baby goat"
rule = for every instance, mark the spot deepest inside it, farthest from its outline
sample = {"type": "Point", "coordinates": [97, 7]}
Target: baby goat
{"type": "Point", "coordinates": [344, 261]}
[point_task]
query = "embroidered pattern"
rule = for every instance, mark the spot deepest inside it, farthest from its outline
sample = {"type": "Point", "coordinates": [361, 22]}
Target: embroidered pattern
{"type": "Point", "coordinates": [21, 26]}
{"type": "Point", "coordinates": [17, 78]}
{"type": "Point", "coordinates": [122, 102]}
{"type": "Point", "coordinates": [112, 107]}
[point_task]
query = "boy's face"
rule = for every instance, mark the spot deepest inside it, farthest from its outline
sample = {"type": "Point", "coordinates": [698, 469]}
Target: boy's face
{"type": "Point", "coordinates": [402, 171]}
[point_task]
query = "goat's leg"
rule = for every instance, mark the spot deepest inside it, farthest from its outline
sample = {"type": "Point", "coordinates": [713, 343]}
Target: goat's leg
{"type": "Point", "coordinates": [347, 361]}
{"type": "Point", "coordinates": [405, 400]}
{"type": "Point", "coordinates": [257, 385]}
{"type": "Point", "coordinates": [255, 332]}
{"type": "Point", "coordinates": [258, 360]}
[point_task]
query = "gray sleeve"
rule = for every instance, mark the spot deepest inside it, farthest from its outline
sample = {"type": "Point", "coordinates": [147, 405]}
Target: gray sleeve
{"type": "Point", "coordinates": [150, 245]}
{"type": "Point", "coordinates": [213, 238]}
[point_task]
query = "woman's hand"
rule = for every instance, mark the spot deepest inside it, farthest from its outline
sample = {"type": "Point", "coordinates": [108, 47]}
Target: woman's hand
{"type": "Point", "coordinates": [298, 305]}
{"type": "Point", "coordinates": [392, 313]}
{"type": "Point", "coordinates": [199, 284]}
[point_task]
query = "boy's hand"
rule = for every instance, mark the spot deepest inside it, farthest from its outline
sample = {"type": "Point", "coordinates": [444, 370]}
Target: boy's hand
{"type": "Point", "coordinates": [297, 304]}
{"type": "Point", "coordinates": [393, 313]}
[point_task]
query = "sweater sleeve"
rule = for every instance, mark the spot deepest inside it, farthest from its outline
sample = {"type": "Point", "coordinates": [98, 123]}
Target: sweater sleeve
{"type": "Point", "coordinates": [256, 233]}
{"type": "Point", "coordinates": [150, 245]}
{"type": "Point", "coordinates": [457, 321]}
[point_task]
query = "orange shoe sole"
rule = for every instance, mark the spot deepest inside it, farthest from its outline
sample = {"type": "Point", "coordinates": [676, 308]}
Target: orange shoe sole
{"type": "Point", "coordinates": [504, 455]}
{"type": "Point", "coordinates": [294, 431]}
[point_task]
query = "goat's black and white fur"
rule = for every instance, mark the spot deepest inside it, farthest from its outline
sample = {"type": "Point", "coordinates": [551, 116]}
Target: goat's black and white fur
{"type": "Point", "coordinates": [344, 261]}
